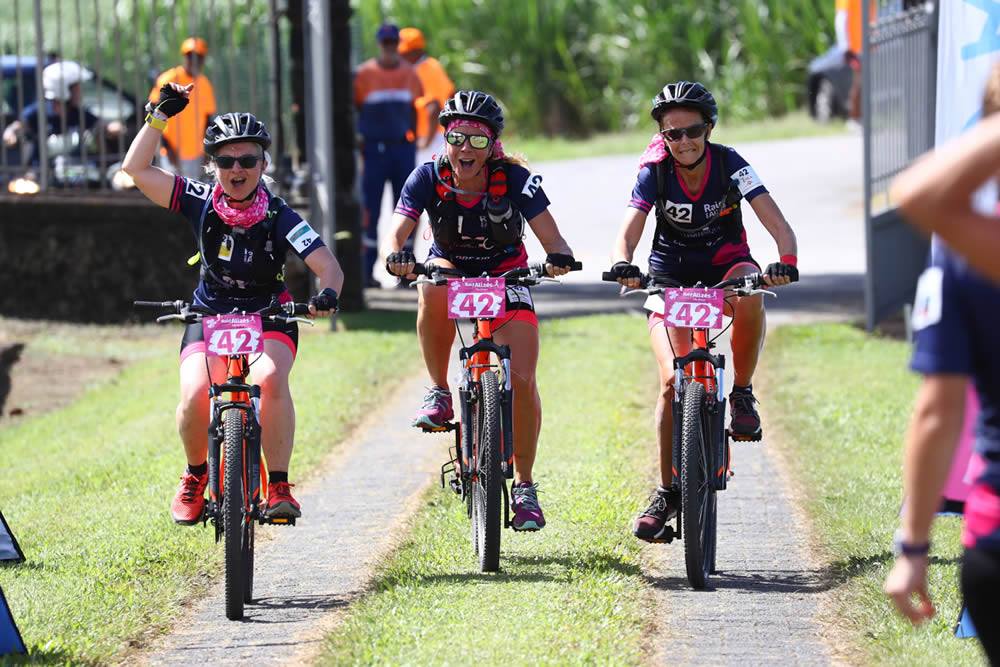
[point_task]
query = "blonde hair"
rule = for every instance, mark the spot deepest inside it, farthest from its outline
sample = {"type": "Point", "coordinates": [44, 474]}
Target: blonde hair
{"type": "Point", "coordinates": [516, 158]}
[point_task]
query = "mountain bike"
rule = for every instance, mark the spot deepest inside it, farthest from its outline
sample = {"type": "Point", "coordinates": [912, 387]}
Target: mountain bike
{"type": "Point", "coordinates": [482, 458]}
{"type": "Point", "coordinates": [702, 463]}
{"type": "Point", "coordinates": [237, 472]}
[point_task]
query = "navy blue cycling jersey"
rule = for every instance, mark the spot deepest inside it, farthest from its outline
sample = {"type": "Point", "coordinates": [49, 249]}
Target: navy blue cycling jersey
{"type": "Point", "coordinates": [474, 252]}
{"type": "Point", "coordinates": [244, 256]}
{"type": "Point", "coordinates": [686, 238]}
{"type": "Point", "coordinates": [956, 316]}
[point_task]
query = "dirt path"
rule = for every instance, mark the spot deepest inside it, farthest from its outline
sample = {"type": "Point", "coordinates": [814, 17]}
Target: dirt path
{"type": "Point", "coordinates": [306, 575]}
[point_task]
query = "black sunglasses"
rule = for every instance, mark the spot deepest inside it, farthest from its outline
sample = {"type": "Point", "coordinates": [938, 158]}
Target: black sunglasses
{"type": "Point", "coordinates": [477, 141]}
{"type": "Point", "coordinates": [246, 161]}
{"type": "Point", "coordinates": [678, 133]}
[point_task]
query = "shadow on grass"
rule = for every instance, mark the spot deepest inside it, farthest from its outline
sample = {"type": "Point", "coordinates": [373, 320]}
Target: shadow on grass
{"type": "Point", "coordinates": [539, 568]}
{"type": "Point", "coordinates": [378, 320]}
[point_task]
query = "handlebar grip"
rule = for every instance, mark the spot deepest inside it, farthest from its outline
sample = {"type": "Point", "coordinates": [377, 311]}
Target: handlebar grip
{"type": "Point", "coordinates": [301, 309]}
{"type": "Point", "coordinates": [607, 276]}
{"type": "Point", "coordinates": [153, 304]}
{"type": "Point", "coordinates": [577, 266]}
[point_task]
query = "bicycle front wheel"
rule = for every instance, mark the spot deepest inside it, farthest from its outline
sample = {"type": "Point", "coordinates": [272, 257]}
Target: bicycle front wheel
{"type": "Point", "coordinates": [232, 513]}
{"type": "Point", "coordinates": [487, 488]}
{"type": "Point", "coordinates": [697, 495]}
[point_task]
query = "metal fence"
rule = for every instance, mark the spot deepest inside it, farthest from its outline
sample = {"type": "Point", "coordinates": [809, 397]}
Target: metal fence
{"type": "Point", "coordinates": [124, 45]}
{"type": "Point", "coordinates": [900, 71]}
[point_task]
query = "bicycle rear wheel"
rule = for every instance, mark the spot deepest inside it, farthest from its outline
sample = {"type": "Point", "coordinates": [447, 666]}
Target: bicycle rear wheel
{"type": "Point", "coordinates": [486, 489]}
{"type": "Point", "coordinates": [697, 495]}
{"type": "Point", "coordinates": [233, 521]}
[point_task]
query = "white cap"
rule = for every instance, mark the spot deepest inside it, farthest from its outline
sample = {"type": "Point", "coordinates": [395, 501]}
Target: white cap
{"type": "Point", "coordinates": [59, 76]}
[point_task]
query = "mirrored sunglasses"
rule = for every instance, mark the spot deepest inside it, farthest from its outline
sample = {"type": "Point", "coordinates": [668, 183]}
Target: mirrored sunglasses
{"type": "Point", "coordinates": [477, 141]}
{"type": "Point", "coordinates": [678, 133]}
{"type": "Point", "coordinates": [246, 161]}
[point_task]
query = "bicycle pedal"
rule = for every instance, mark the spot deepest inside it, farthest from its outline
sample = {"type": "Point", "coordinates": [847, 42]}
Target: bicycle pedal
{"type": "Point", "coordinates": [745, 437]}
{"type": "Point", "coordinates": [279, 521]}
{"type": "Point", "coordinates": [450, 426]}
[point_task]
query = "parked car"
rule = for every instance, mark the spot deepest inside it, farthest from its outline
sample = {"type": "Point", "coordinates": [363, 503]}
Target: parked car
{"type": "Point", "coordinates": [829, 85]}
{"type": "Point", "coordinates": [100, 96]}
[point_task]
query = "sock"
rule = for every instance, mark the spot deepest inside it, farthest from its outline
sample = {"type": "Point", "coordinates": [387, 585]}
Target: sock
{"type": "Point", "coordinates": [198, 470]}
{"type": "Point", "coordinates": [743, 390]}
{"type": "Point", "coordinates": [275, 476]}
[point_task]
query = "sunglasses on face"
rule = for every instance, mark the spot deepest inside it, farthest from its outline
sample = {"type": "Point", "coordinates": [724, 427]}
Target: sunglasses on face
{"type": "Point", "coordinates": [477, 141]}
{"type": "Point", "coordinates": [228, 162]}
{"type": "Point", "coordinates": [678, 133]}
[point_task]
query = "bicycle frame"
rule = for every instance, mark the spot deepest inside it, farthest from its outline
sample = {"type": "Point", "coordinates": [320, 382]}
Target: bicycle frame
{"type": "Point", "coordinates": [235, 393]}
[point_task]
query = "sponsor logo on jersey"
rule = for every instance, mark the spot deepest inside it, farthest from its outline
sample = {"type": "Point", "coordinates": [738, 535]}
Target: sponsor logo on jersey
{"type": "Point", "coordinates": [197, 189]}
{"type": "Point", "coordinates": [301, 236]}
{"type": "Point", "coordinates": [226, 248]}
{"type": "Point", "coordinates": [531, 185]}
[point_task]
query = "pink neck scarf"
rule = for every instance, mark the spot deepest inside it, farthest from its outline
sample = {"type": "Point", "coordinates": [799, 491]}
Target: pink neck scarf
{"type": "Point", "coordinates": [655, 152]}
{"type": "Point", "coordinates": [498, 153]}
{"type": "Point", "coordinates": [234, 217]}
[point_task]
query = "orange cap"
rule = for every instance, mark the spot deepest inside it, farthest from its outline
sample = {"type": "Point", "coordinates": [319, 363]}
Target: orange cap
{"type": "Point", "coordinates": [411, 39]}
{"type": "Point", "coordinates": [194, 44]}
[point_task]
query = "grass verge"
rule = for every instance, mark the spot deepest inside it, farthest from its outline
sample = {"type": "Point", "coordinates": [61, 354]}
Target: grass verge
{"type": "Point", "coordinates": [840, 401]}
{"type": "Point", "coordinates": [570, 593]}
{"type": "Point", "coordinates": [87, 488]}
{"type": "Point", "coordinates": [633, 142]}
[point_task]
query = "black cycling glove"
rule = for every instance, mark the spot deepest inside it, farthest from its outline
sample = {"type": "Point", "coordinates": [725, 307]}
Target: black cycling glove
{"type": "Point", "coordinates": [624, 270]}
{"type": "Point", "coordinates": [325, 300]}
{"type": "Point", "coordinates": [560, 260]}
{"type": "Point", "coordinates": [781, 270]}
{"type": "Point", "coordinates": [403, 257]}
{"type": "Point", "coordinates": [171, 102]}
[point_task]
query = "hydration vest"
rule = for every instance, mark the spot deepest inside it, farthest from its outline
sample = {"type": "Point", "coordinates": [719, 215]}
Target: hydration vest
{"type": "Point", "coordinates": [729, 207]}
{"type": "Point", "coordinates": [268, 267]}
{"type": "Point", "coordinates": [506, 223]}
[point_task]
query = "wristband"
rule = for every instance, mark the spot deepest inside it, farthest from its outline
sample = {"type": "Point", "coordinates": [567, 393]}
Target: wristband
{"type": "Point", "coordinates": [156, 123]}
{"type": "Point", "coordinates": [903, 548]}
{"type": "Point", "coordinates": [791, 260]}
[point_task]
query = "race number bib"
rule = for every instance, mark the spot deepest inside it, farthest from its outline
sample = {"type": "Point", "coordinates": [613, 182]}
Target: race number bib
{"type": "Point", "coordinates": [229, 335]}
{"type": "Point", "coordinates": [476, 297]}
{"type": "Point", "coordinates": [693, 308]}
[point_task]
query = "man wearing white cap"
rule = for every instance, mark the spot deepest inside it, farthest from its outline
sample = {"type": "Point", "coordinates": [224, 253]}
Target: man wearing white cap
{"type": "Point", "coordinates": [62, 108]}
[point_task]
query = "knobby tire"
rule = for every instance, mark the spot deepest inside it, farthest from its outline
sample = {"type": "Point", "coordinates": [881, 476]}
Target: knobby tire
{"type": "Point", "coordinates": [697, 495]}
{"type": "Point", "coordinates": [232, 513]}
{"type": "Point", "coordinates": [489, 478]}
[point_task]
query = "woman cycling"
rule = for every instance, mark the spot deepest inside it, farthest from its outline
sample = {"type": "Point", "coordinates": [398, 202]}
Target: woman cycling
{"type": "Point", "coordinates": [478, 199]}
{"type": "Point", "coordinates": [243, 233]}
{"type": "Point", "coordinates": [695, 187]}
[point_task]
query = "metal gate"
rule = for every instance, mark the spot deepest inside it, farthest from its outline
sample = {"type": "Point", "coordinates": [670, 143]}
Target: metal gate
{"type": "Point", "coordinates": [898, 96]}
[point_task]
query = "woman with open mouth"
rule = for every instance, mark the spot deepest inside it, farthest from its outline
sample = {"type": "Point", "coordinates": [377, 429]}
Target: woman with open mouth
{"type": "Point", "coordinates": [243, 233]}
{"type": "Point", "coordinates": [479, 200]}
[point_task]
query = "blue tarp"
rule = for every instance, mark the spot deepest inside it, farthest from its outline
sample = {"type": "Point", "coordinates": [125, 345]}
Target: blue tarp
{"type": "Point", "coordinates": [10, 636]}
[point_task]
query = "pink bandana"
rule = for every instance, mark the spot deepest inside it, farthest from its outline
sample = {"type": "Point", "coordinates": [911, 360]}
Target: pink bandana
{"type": "Point", "coordinates": [498, 153]}
{"type": "Point", "coordinates": [655, 152]}
{"type": "Point", "coordinates": [245, 218]}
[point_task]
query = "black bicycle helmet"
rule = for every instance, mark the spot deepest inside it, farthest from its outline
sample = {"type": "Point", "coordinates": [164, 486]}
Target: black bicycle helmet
{"type": "Point", "coordinates": [473, 105]}
{"type": "Point", "coordinates": [235, 126]}
{"type": "Point", "coordinates": [686, 95]}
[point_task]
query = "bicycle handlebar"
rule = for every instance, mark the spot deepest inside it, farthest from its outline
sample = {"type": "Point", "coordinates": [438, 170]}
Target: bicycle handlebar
{"type": "Point", "coordinates": [743, 285]}
{"type": "Point", "coordinates": [190, 313]}
{"type": "Point", "coordinates": [527, 276]}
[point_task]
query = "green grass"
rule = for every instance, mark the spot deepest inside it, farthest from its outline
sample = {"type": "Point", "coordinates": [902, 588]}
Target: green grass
{"type": "Point", "coordinates": [840, 401]}
{"type": "Point", "coordinates": [572, 593]}
{"type": "Point", "coordinates": [541, 149]}
{"type": "Point", "coordinates": [87, 488]}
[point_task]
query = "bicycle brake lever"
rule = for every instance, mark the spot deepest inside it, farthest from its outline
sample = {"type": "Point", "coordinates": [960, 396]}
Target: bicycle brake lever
{"type": "Point", "coordinates": [171, 316]}
{"type": "Point", "coordinates": [546, 279]}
